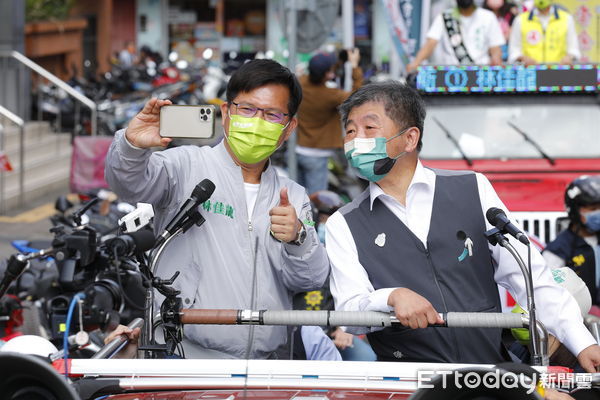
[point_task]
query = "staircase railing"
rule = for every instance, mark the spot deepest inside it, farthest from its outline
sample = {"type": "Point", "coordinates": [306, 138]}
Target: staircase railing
{"type": "Point", "coordinates": [81, 99]}
{"type": "Point", "coordinates": [21, 124]}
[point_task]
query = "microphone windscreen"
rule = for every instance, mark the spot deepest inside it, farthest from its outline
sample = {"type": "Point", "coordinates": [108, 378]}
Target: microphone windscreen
{"type": "Point", "coordinates": [492, 215]}
{"type": "Point", "coordinates": [203, 190]}
{"type": "Point", "coordinates": [144, 239]}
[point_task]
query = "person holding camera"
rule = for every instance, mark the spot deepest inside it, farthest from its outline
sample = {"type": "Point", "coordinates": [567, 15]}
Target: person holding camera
{"type": "Point", "coordinates": [319, 129]}
{"type": "Point", "coordinates": [258, 245]}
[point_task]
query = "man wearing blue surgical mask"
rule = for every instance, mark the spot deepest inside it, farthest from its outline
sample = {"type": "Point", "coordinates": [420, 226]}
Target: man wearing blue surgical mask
{"type": "Point", "coordinates": [577, 247]}
{"type": "Point", "coordinates": [413, 243]}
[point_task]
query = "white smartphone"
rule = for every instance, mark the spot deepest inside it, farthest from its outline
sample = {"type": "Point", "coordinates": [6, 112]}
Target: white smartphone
{"type": "Point", "coordinates": [197, 122]}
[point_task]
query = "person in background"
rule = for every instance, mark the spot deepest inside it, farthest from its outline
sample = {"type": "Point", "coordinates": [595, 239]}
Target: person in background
{"type": "Point", "coordinates": [577, 246]}
{"type": "Point", "coordinates": [127, 56]}
{"type": "Point", "coordinates": [557, 352]}
{"type": "Point", "coordinates": [505, 12]}
{"type": "Point", "coordinates": [148, 57]}
{"type": "Point", "coordinates": [545, 34]}
{"type": "Point", "coordinates": [466, 34]}
{"type": "Point", "coordinates": [319, 129]}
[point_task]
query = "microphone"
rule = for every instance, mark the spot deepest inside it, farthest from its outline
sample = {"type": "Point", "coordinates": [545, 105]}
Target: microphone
{"type": "Point", "coordinates": [498, 218]}
{"type": "Point", "coordinates": [16, 265]}
{"type": "Point", "coordinates": [125, 245]}
{"type": "Point", "coordinates": [200, 194]}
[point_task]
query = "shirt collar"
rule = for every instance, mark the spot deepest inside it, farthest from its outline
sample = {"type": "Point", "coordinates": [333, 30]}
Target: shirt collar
{"type": "Point", "coordinates": [420, 177]}
{"type": "Point", "coordinates": [552, 14]}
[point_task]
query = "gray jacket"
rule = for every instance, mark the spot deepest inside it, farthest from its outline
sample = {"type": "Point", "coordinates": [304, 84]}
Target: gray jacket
{"type": "Point", "coordinates": [217, 260]}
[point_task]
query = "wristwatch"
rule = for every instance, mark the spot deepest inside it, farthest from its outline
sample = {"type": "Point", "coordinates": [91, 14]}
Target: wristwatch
{"type": "Point", "coordinates": [301, 235]}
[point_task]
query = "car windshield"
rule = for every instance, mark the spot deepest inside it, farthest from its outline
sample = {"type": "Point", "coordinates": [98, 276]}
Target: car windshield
{"type": "Point", "coordinates": [485, 131]}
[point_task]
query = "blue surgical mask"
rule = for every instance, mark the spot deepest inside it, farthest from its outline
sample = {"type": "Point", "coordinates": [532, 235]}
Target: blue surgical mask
{"type": "Point", "coordinates": [369, 156]}
{"type": "Point", "coordinates": [321, 232]}
{"type": "Point", "coordinates": [592, 220]}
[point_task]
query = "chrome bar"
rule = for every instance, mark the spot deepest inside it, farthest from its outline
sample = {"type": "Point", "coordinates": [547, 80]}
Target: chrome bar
{"type": "Point", "coordinates": [4, 73]}
{"type": "Point", "coordinates": [541, 358]}
{"type": "Point", "coordinates": [52, 78]}
{"type": "Point", "coordinates": [89, 103]}
{"type": "Point", "coordinates": [147, 334]}
{"type": "Point", "coordinates": [77, 120]}
{"type": "Point", "coordinates": [111, 348]}
{"type": "Point", "coordinates": [58, 121]}
{"type": "Point", "coordinates": [2, 173]}
{"type": "Point", "coordinates": [39, 102]}
{"type": "Point", "coordinates": [13, 117]}
{"type": "Point", "coordinates": [21, 107]}
{"type": "Point", "coordinates": [21, 165]}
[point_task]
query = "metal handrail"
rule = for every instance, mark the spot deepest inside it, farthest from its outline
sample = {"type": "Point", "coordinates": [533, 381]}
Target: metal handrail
{"type": "Point", "coordinates": [13, 117]}
{"type": "Point", "coordinates": [89, 103]}
{"type": "Point", "coordinates": [21, 124]}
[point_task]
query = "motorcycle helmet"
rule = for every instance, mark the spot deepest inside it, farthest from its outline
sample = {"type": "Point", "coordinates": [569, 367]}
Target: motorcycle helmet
{"type": "Point", "coordinates": [583, 191]}
{"type": "Point", "coordinates": [29, 344]}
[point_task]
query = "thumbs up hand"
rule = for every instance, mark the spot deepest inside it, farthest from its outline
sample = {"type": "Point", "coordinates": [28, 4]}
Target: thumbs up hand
{"type": "Point", "coordinates": [284, 221]}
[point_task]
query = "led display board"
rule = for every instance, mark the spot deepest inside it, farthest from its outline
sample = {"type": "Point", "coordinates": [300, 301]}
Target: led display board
{"type": "Point", "coordinates": [580, 78]}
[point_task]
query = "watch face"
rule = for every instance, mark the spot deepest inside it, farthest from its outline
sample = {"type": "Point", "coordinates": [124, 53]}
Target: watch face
{"type": "Point", "coordinates": [301, 236]}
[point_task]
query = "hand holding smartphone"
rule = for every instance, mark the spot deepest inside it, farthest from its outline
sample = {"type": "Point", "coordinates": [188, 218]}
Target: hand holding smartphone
{"type": "Point", "coordinates": [195, 122]}
{"type": "Point", "coordinates": [143, 130]}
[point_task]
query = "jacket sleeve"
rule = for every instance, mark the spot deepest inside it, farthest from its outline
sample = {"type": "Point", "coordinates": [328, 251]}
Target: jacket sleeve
{"type": "Point", "coordinates": [357, 78]}
{"type": "Point", "coordinates": [139, 175]}
{"type": "Point", "coordinates": [305, 267]}
{"type": "Point", "coordinates": [557, 309]}
{"type": "Point", "coordinates": [357, 81]}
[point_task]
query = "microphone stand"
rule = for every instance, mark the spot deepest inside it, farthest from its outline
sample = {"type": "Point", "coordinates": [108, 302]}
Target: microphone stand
{"type": "Point", "coordinates": [539, 346]}
{"type": "Point", "coordinates": [147, 335]}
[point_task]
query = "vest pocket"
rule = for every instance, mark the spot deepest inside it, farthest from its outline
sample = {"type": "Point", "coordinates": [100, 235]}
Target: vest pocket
{"type": "Point", "coordinates": [487, 308]}
{"type": "Point", "coordinates": [411, 345]}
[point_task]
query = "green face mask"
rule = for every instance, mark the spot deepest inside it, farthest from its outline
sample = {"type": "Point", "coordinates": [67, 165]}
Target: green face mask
{"type": "Point", "coordinates": [370, 158]}
{"type": "Point", "coordinates": [253, 139]}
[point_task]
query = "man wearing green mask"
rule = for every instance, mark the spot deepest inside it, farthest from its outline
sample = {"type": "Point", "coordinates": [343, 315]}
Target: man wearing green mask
{"type": "Point", "coordinates": [543, 35]}
{"type": "Point", "coordinates": [413, 243]}
{"type": "Point", "coordinates": [257, 246]}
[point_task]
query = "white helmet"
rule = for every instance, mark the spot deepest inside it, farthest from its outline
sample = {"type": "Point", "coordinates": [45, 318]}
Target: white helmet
{"type": "Point", "coordinates": [29, 344]}
{"type": "Point", "coordinates": [568, 279]}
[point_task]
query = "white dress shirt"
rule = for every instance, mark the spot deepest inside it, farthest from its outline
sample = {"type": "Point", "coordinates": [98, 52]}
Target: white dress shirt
{"type": "Point", "coordinates": [479, 32]}
{"type": "Point", "coordinates": [352, 290]}
{"type": "Point", "coordinates": [515, 41]}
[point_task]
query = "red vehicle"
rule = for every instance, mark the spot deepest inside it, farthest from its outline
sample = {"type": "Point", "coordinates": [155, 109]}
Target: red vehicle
{"type": "Point", "coordinates": [165, 379]}
{"type": "Point", "coordinates": [531, 131]}
{"type": "Point", "coordinates": [530, 146]}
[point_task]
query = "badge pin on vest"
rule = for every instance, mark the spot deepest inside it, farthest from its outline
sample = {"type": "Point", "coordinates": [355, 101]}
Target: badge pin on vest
{"type": "Point", "coordinates": [468, 243]}
{"type": "Point", "coordinates": [380, 240]}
